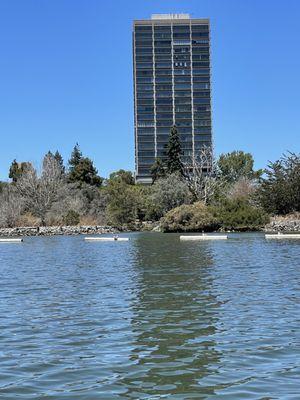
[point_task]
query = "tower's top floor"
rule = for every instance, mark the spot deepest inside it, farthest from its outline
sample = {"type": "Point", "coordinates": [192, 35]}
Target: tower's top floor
{"type": "Point", "coordinates": [170, 16]}
{"type": "Point", "coordinates": [164, 19]}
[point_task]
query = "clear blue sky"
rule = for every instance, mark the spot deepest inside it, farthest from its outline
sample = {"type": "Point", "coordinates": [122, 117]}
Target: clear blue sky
{"type": "Point", "coordinates": [66, 77]}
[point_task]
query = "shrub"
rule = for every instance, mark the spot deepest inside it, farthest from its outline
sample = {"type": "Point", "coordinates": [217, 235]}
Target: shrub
{"type": "Point", "coordinates": [188, 218]}
{"type": "Point", "coordinates": [71, 218]}
{"type": "Point", "coordinates": [166, 194]}
{"type": "Point", "coordinates": [279, 192]}
{"type": "Point", "coordinates": [238, 214]}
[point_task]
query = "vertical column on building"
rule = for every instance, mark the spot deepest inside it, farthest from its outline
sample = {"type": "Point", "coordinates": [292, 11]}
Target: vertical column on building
{"type": "Point", "coordinates": [192, 92]}
{"type": "Point", "coordinates": [135, 103]}
{"type": "Point", "coordinates": [173, 89]}
{"type": "Point", "coordinates": [154, 91]}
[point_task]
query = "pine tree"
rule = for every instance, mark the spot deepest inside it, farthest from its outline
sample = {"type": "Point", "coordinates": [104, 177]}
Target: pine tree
{"type": "Point", "coordinates": [174, 153]}
{"type": "Point", "coordinates": [82, 170]}
{"type": "Point", "coordinates": [157, 170]}
{"type": "Point", "coordinates": [76, 157]}
{"type": "Point", "coordinates": [60, 161]}
{"type": "Point", "coordinates": [14, 171]}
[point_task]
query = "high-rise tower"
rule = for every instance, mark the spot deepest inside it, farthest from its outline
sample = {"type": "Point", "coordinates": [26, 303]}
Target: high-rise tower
{"type": "Point", "coordinates": [171, 61]}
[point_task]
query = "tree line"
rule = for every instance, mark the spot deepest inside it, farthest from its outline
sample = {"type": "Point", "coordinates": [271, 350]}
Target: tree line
{"type": "Point", "coordinates": [203, 193]}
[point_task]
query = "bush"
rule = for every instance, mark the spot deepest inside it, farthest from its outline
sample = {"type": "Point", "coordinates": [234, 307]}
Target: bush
{"type": "Point", "coordinates": [71, 218]}
{"type": "Point", "coordinates": [188, 218]}
{"type": "Point", "coordinates": [279, 192]}
{"type": "Point", "coordinates": [238, 214]}
{"type": "Point", "coordinates": [166, 194]}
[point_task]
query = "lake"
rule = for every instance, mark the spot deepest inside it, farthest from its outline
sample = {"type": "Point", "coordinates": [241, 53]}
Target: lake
{"type": "Point", "coordinates": [151, 318]}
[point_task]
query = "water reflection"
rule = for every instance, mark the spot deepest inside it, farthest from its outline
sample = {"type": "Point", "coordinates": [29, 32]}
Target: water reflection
{"type": "Point", "coordinates": [174, 318]}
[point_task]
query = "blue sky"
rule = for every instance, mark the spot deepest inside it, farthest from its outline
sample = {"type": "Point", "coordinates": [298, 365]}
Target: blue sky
{"type": "Point", "coordinates": [66, 77]}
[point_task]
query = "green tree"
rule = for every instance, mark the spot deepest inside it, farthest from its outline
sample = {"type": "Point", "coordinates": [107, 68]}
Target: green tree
{"type": "Point", "coordinates": [60, 161]}
{"type": "Point", "coordinates": [82, 169]}
{"type": "Point", "coordinates": [239, 214]}
{"type": "Point", "coordinates": [174, 152]}
{"type": "Point", "coordinates": [165, 194]}
{"type": "Point", "coordinates": [122, 202]}
{"type": "Point", "coordinates": [76, 157]}
{"type": "Point", "coordinates": [190, 218]}
{"type": "Point", "coordinates": [279, 192]}
{"type": "Point", "coordinates": [122, 175]}
{"type": "Point", "coordinates": [85, 172]}
{"type": "Point", "coordinates": [235, 165]}
{"type": "Point", "coordinates": [17, 169]}
{"type": "Point", "coordinates": [158, 170]}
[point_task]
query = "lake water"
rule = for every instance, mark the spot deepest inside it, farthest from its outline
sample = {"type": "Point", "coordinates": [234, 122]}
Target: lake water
{"type": "Point", "coordinates": [151, 318]}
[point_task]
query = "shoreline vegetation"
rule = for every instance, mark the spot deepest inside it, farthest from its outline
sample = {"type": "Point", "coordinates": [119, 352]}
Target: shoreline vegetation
{"type": "Point", "coordinates": [197, 193]}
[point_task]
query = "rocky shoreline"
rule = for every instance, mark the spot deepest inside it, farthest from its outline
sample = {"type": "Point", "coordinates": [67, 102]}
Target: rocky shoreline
{"type": "Point", "coordinates": [55, 230]}
{"type": "Point", "coordinates": [284, 224]}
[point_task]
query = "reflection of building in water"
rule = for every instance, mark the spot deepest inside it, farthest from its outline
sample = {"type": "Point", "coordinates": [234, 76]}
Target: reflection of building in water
{"type": "Point", "coordinates": [174, 317]}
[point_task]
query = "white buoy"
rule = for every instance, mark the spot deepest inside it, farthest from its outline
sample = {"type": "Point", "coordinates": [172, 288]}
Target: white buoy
{"type": "Point", "coordinates": [107, 239]}
{"type": "Point", "coordinates": [283, 236]}
{"type": "Point", "coordinates": [204, 237]}
{"type": "Point", "coordinates": [10, 240]}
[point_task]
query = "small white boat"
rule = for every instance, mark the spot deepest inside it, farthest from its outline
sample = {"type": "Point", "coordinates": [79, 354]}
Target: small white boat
{"type": "Point", "coordinates": [107, 239]}
{"type": "Point", "coordinates": [204, 237]}
{"type": "Point", "coordinates": [10, 240]}
{"type": "Point", "coordinates": [283, 236]}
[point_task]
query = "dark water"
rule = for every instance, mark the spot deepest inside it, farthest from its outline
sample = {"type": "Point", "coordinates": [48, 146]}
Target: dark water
{"type": "Point", "coordinates": [152, 318]}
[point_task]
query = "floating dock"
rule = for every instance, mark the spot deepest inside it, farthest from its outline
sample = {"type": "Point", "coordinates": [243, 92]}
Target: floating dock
{"type": "Point", "coordinates": [106, 239]}
{"type": "Point", "coordinates": [283, 236]}
{"type": "Point", "coordinates": [10, 240]}
{"type": "Point", "coordinates": [204, 237]}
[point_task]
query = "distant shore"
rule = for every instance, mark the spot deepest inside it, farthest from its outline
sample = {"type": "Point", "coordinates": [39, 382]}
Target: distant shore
{"type": "Point", "coordinates": [55, 230]}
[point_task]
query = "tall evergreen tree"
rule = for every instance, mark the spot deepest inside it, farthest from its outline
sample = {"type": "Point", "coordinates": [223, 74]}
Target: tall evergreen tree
{"type": "Point", "coordinates": [82, 170]}
{"type": "Point", "coordinates": [174, 153]}
{"type": "Point", "coordinates": [76, 157]}
{"type": "Point", "coordinates": [158, 170]}
{"type": "Point", "coordinates": [60, 161]}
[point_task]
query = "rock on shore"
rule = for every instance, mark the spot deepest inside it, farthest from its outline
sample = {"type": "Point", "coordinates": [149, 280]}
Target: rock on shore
{"type": "Point", "coordinates": [284, 224]}
{"type": "Point", "coordinates": [55, 230]}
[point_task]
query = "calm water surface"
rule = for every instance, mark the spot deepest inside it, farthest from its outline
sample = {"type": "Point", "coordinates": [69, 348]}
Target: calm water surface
{"type": "Point", "coordinates": [151, 318]}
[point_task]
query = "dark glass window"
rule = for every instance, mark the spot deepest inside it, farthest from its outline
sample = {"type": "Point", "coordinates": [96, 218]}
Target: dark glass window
{"type": "Point", "coordinates": [181, 35]}
{"type": "Point", "coordinates": [147, 65]}
{"type": "Point", "coordinates": [201, 71]}
{"type": "Point", "coordinates": [142, 72]}
{"type": "Point", "coordinates": [143, 43]}
{"type": "Point", "coordinates": [163, 79]}
{"type": "Point", "coordinates": [143, 50]}
{"type": "Point", "coordinates": [145, 117]}
{"type": "Point", "coordinates": [202, 100]}
{"type": "Point", "coordinates": [164, 101]}
{"type": "Point", "coordinates": [164, 116]}
{"type": "Point", "coordinates": [143, 28]}
{"type": "Point", "coordinates": [180, 28]}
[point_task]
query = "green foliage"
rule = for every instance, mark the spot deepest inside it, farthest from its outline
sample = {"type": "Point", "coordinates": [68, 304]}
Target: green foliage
{"type": "Point", "coordinates": [76, 156]}
{"type": "Point", "coordinates": [17, 169]}
{"type": "Point", "coordinates": [235, 165]}
{"type": "Point", "coordinates": [122, 202]}
{"type": "Point", "coordinates": [165, 194]}
{"type": "Point", "coordinates": [122, 175]}
{"type": "Point", "coordinates": [158, 170]}
{"type": "Point", "coordinates": [174, 152]}
{"type": "Point", "coordinates": [189, 218]}
{"type": "Point", "coordinates": [239, 214]}
{"type": "Point", "coordinates": [279, 192]}
{"type": "Point", "coordinates": [60, 162]}
{"type": "Point", "coordinates": [82, 170]}
{"type": "Point", "coordinates": [71, 218]}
